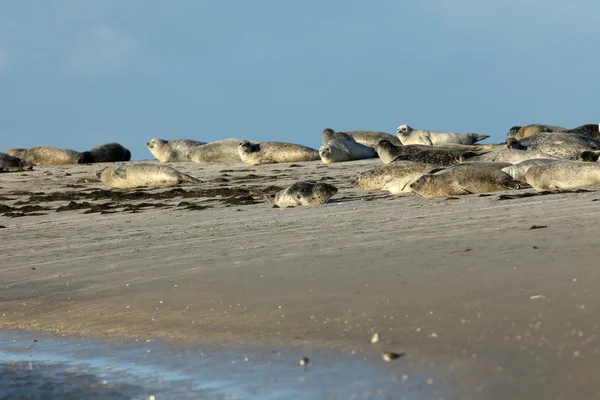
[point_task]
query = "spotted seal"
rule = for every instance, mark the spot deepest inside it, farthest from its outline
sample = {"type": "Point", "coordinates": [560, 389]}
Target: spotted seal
{"type": "Point", "coordinates": [408, 135]}
{"type": "Point", "coordinates": [177, 150]}
{"type": "Point", "coordinates": [143, 174]}
{"type": "Point", "coordinates": [109, 152]}
{"type": "Point", "coordinates": [558, 144]}
{"type": "Point", "coordinates": [376, 179]}
{"type": "Point", "coordinates": [464, 179]}
{"type": "Point", "coordinates": [512, 156]}
{"type": "Point", "coordinates": [589, 130]}
{"type": "Point", "coordinates": [275, 152]}
{"type": "Point", "coordinates": [563, 175]}
{"type": "Point", "coordinates": [46, 155]}
{"type": "Point", "coordinates": [9, 163]}
{"type": "Point", "coordinates": [517, 171]}
{"type": "Point", "coordinates": [303, 194]}
{"type": "Point", "coordinates": [220, 151]}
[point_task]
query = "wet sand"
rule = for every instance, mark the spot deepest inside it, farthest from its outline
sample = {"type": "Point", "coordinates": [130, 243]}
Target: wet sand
{"type": "Point", "coordinates": [463, 285]}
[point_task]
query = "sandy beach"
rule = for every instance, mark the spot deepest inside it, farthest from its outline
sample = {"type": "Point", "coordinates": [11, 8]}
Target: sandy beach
{"type": "Point", "coordinates": [497, 291]}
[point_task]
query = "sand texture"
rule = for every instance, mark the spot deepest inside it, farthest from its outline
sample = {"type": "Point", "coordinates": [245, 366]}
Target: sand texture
{"type": "Point", "coordinates": [498, 291]}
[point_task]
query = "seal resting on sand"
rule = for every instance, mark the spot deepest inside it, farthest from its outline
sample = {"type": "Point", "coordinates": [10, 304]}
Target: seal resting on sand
{"type": "Point", "coordinates": [463, 179]}
{"type": "Point", "coordinates": [408, 135]}
{"type": "Point", "coordinates": [589, 130]}
{"type": "Point", "coordinates": [109, 152]}
{"type": "Point", "coordinates": [375, 179]}
{"type": "Point", "coordinates": [518, 171]}
{"type": "Point", "coordinates": [46, 155]}
{"type": "Point", "coordinates": [558, 144]}
{"type": "Point", "coordinates": [345, 149]}
{"type": "Point", "coordinates": [512, 156]}
{"type": "Point", "coordinates": [303, 194]}
{"type": "Point", "coordinates": [139, 175]}
{"type": "Point", "coordinates": [220, 151]}
{"type": "Point", "coordinates": [9, 163]}
{"type": "Point", "coordinates": [563, 175]}
{"type": "Point", "coordinates": [177, 150]}
{"type": "Point", "coordinates": [275, 152]}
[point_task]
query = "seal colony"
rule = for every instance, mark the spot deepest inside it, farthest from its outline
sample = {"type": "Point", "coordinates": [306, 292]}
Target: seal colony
{"type": "Point", "coordinates": [426, 163]}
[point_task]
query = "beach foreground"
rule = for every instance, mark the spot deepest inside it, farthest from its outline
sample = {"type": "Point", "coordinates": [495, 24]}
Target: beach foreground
{"type": "Point", "coordinates": [495, 291]}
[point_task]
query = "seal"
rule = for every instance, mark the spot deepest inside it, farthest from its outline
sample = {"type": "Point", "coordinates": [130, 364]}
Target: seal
{"type": "Point", "coordinates": [439, 156]}
{"type": "Point", "coordinates": [302, 194]}
{"type": "Point", "coordinates": [387, 151]}
{"type": "Point", "coordinates": [46, 155]}
{"type": "Point", "coordinates": [558, 144]}
{"type": "Point", "coordinates": [275, 152]}
{"type": "Point", "coordinates": [408, 135]}
{"type": "Point", "coordinates": [329, 134]}
{"type": "Point", "coordinates": [172, 150]}
{"type": "Point", "coordinates": [517, 171]}
{"type": "Point", "coordinates": [9, 163]}
{"type": "Point", "coordinates": [463, 179]}
{"type": "Point", "coordinates": [14, 152]}
{"type": "Point", "coordinates": [220, 151]}
{"type": "Point", "coordinates": [372, 138]}
{"type": "Point", "coordinates": [376, 179]}
{"type": "Point", "coordinates": [109, 152]}
{"type": "Point", "coordinates": [345, 149]}
{"type": "Point", "coordinates": [143, 174]}
{"type": "Point", "coordinates": [513, 131]}
{"type": "Point", "coordinates": [563, 175]}
{"type": "Point", "coordinates": [511, 156]}
{"type": "Point", "coordinates": [589, 130]}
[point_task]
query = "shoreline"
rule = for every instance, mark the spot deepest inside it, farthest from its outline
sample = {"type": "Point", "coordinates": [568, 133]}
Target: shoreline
{"type": "Point", "coordinates": [463, 284]}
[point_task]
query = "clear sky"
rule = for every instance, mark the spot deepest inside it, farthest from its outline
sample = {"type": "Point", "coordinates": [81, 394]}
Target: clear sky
{"type": "Point", "coordinates": [79, 73]}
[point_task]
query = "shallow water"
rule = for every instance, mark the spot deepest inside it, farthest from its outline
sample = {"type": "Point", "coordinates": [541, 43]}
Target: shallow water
{"type": "Point", "coordinates": [41, 367]}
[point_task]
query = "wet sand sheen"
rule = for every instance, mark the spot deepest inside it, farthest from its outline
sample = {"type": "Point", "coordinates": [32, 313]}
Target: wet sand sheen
{"type": "Point", "coordinates": [462, 284]}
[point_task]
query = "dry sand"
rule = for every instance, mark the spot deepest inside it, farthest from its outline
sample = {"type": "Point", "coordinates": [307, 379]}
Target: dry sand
{"type": "Point", "coordinates": [464, 284]}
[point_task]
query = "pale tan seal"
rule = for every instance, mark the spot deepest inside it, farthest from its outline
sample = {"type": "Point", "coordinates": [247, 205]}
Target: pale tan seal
{"type": "Point", "coordinates": [9, 163]}
{"type": "Point", "coordinates": [303, 194]}
{"type": "Point", "coordinates": [140, 175]}
{"type": "Point", "coordinates": [517, 171]}
{"type": "Point", "coordinates": [177, 150]}
{"type": "Point", "coordinates": [372, 138]}
{"type": "Point", "coordinates": [345, 149]}
{"type": "Point", "coordinates": [408, 135]}
{"type": "Point", "coordinates": [558, 144]}
{"type": "Point", "coordinates": [375, 179]}
{"type": "Point", "coordinates": [512, 156]}
{"type": "Point", "coordinates": [220, 151]}
{"type": "Point", "coordinates": [464, 179]}
{"type": "Point", "coordinates": [329, 134]}
{"type": "Point", "coordinates": [275, 152]}
{"type": "Point", "coordinates": [46, 155]}
{"type": "Point", "coordinates": [109, 152]}
{"type": "Point", "coordinates": [15, 152]}
{"type": "Point", "coordinates": [589, 130]}
{"type": "Point", "coordinates": [563, 175]}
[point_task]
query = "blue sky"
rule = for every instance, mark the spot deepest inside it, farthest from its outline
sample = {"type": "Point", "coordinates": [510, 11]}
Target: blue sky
{"type": "Point", "coordinates": [76, 74]}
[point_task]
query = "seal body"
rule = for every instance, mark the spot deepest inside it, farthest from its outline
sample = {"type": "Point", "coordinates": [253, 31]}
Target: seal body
{"type": "Point", "coordinates": [303, 194]}
{"type": "Point", "coordinates": [512, 156]}
{"type": "Point", "coordinates": [408, 135]}
{"type": "Point", "coordinates": [563, 175]}
{"type": "Point", "coordinates": [275, 152]}
{"type": "Point", "coordinates": [110, 152]}
{"type": "Point", "coordinates": [140, 175]}
{"type": "Point", "coordinates": [172, 150]}
{"type": "Point", "coordinates": [589, 130]}
{"type": "Point", "coordinates": [329, 134]}
{"type": "Point", "coordinates": [345, 149]}
{"type": "Point", "coordinates": [376, 179]}
{"type": "Point", "coordinates": [9, 163]}
{"type": "Point", "coordinates": [372, 138]}
{"type": "Point", "coordinates": [439, 156]}
{"type": "Point", "coordinates": [15, 152]}
{"type": "Point", "coordinates": [220, 151]}
{"type": "Point", "coordinates": [46, 155]}
{"type": "Point", "coordinates": [558, 144]}
{"type": "Point", "coordinates": [463, 179]}
{"type": "Point", "coordinates": [517, 171]}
